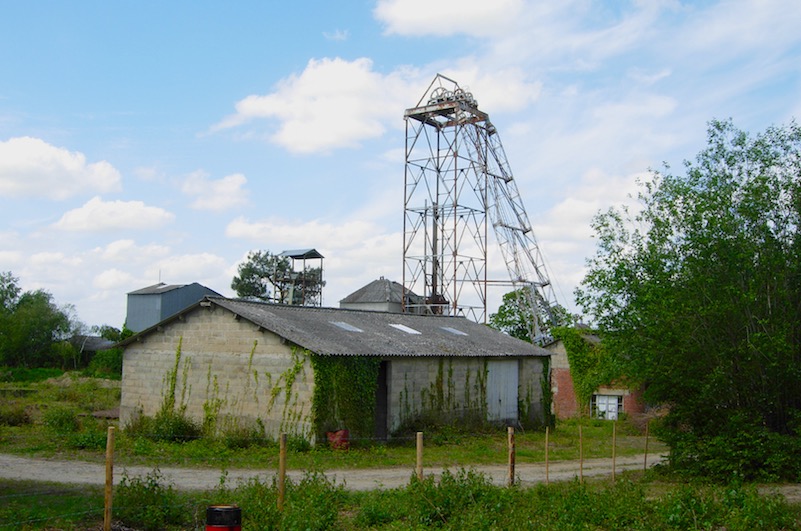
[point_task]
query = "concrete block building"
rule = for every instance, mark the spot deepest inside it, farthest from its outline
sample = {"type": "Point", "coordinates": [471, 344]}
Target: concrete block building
{"type": "Point", "coordinates": [252, 361]}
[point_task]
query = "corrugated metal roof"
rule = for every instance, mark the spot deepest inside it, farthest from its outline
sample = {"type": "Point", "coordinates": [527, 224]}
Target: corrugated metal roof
{"type": "Point", "coordinates": [321, 330]}
{"type": "Point", "coordinates": [342, 332]}
{"type": "Point", "coordinates": [381, 290]}
{"type": "Point", "coordinates": [301, 253]}
{"type": "Point", "coordinates": [161, 287]}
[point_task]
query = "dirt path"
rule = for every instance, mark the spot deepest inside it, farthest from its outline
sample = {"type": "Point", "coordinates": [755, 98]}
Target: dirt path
{"type": "Point", "coordinates": [59, 471]}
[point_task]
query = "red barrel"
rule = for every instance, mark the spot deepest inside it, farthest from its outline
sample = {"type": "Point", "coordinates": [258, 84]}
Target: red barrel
{"type": "Point", "coordinates": [227, 517]}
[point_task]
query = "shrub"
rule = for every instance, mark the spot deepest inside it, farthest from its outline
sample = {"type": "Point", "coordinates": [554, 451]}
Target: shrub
{"type": "Point", "coordinates": [14, 415]}
{"type": "Point", "coordinates": [437, 503]}
{"type": "Point", "coordinates": [89, 440]}
{"type": "Point", "coordinates": [313, 503]}
{"type": "Point", "coordinates": [169, 426]}
{"type": "Point", "coordinates": [106, 364]}
{"type": "Point", "coordinates": [148, 503]}
{"type": "Point", "coordinates": [743, 449]}
{"type": "Point", "coordinates": [61, 420]}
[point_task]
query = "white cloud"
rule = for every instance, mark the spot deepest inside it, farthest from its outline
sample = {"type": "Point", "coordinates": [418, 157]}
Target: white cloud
{"type": "Point", "coordinates": [447, 17]}
{"type": "Point", "coordinates": [112, 279]}
{"type": "Point", "coordinates": [300, 235]}
{"type": "Point", "coordinates": [188, 268]}
{"type": "Point", "coordinates": [215, 195]}
{"type": "Point", "coordinates": [30, 167]}
{"type": "Point", "coordinates": [332, 104]}
{"type": "Point", "coordinates": [497, 90]}
{"type": "Point", "coordinates": [126, 251]}
{"type": "Point", "coordinates": [99, 215]}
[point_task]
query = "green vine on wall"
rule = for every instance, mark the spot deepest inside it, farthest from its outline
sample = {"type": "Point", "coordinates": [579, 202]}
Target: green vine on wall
{"type": "Point", "coordinates": [291, 414]}
{"type": "Point", "coordinates": [345, 393]}
{"type": "Point", "coordinates": [171, 381]}
{"type": "Point", "coordinates": [590, 366]}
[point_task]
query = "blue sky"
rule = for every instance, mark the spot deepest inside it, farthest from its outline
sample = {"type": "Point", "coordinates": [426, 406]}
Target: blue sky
{"type": "Point", "coordinates": [145, 140]}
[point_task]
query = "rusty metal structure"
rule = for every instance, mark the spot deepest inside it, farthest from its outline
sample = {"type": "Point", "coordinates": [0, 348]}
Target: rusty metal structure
{"type": "Point", "coordinates": [456, 177]}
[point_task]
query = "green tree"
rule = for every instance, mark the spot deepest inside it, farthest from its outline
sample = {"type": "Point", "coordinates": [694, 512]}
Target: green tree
{"type": "Point", "coordinates": [9, 291]}
{"type": "Point", "coordinates": [698, 296]}
{"type": "Point", "coordinates": [514, 316]}
{"type": "Point", "coordinates": [270, 277]}
{"type": "Point", "coordinates": [32, 329]}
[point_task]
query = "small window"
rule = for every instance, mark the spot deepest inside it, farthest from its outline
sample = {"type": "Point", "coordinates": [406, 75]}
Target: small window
{"type": "Point", "coordinates": [606, 406]}
{"type": "Point", "coordinates": [346, 326]}
{"type": "Point", "coordinates": [453, 331]}
{"type": "Point", "coordinates": [404, 328]}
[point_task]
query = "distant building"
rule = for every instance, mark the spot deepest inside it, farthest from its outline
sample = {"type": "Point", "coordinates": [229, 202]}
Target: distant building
{"type": "Point", "coordinates": [380, 295]}
{"type": "Point", "coordinates": [153, 304]}
{"type": "Point", "coordinates": [607, 402]}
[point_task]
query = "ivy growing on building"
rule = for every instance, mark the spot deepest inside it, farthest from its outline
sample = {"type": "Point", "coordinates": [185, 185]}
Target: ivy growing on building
{"type": "Point", "coordinates": [590, 366]}
{"type": "Point", "coordinates": [345, 393]}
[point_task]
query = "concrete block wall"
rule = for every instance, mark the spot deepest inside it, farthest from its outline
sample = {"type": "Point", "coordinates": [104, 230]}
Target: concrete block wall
{"type": "Point", "coordinates": [220, 364]}
{"type": "Point", "coordinates": [530, 390]}
{"type": "Point", "coordinates": [413, 385]}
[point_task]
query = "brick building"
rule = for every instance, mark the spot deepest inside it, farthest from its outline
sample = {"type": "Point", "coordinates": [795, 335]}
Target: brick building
{"type": "Point", "coordinates": [607, 401]}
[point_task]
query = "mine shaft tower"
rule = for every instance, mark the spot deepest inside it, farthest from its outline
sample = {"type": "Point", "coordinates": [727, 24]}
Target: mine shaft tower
{"type": "Point", "coordinates": [456, 175]}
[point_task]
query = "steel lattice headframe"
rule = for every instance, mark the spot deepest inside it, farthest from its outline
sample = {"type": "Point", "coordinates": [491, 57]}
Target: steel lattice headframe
{"type": "Point", "coordinates": [456, 174]}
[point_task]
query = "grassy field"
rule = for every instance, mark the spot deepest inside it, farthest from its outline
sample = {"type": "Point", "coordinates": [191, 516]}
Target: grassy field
{"type": "Point", "coordinates": [58, 422]}
{"type": "Point", "coordinates": [54, 418]}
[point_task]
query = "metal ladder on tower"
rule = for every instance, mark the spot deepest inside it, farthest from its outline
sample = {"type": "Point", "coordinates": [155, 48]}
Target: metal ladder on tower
{"type": "Point", "coordinates": [513, 231]}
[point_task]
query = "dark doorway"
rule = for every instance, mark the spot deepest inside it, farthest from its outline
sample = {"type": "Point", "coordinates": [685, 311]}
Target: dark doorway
{"type": "Point", "coordinates": [381, 402]}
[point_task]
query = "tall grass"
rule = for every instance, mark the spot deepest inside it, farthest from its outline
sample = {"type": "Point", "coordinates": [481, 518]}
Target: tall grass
{"type": "Point", "coordinates": [462, 499]}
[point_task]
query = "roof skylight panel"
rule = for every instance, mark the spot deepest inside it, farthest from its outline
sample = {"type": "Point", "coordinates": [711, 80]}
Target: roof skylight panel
{"type": "Point", "coordinates": [346, 326]}
{"type": "Point", "coordinates": [404, 328]}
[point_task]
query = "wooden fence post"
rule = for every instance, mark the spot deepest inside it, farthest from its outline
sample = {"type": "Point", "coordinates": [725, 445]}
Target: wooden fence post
{"type": "Point", "coordinates": [547, 432]}
{"type": "Point", "coordinates": [510, 440]}
{"type": "Point", "coordinates": [419, 467]}
{"type": "Point", "coordinates": [281, 470]}
{"type": "Point", "coordinates": [614, 449]}
{"type": "Point", "coordinates": [109, 479]}
{"type": "Point", "coordinates": [645, 459]}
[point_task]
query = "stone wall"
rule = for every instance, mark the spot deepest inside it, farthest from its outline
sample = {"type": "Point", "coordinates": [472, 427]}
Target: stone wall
{"type": "Point", "coordinates": [229, 370]}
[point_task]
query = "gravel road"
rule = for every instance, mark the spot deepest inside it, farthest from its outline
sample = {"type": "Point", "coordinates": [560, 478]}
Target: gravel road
{"type": "Point", "coordinates": [80, 472]}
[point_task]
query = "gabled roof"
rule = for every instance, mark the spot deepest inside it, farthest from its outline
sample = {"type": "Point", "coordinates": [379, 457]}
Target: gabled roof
{"type": "Point", "coordinates": [336, 331]}
{"type": "Point", "coordinates": [161, 287]}
{"type": "Point", "coordinates": [381, 290]}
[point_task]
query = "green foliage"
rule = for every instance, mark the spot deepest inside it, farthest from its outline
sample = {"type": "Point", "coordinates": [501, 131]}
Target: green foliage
{"type": "Point", "coordinates": [30, 325]}
{"type": "Point", "coordinates": [28, 375]}
{"type": "Point", "coordinates": [61, 420]}
{"type": "Point", "coordinates": [590, 364]}
{"type": "Point", "coordinates": [517, 317]}
{"type": "Point", "coordinates": [437, 503]}
{"type": "Point", "coordinates": [698, 294]}
{"type": "Point", "coordinates": [344, 394]}
{"type": "Point", "coordinates": [14, 415]}
{"type": "Point", "coordinates": [88, 440]}
{"type": "Point", "coordinates": [514, 316]}
{"type": "Point", "coordinates": [270, 277]}
{"type": "Point", "coordinates": [148, 503]}
{"type": "Point", "coordinates": [106, 364]}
